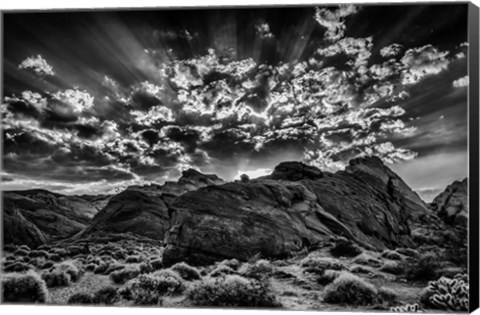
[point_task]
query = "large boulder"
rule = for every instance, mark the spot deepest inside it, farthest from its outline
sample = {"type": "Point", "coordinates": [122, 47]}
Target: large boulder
{"type": "Point", "coordinates": [452, 204]}
{"type": "Point", "coordinates": [143, 210]}
{"type": "Point", "coordinates": [296, 207]}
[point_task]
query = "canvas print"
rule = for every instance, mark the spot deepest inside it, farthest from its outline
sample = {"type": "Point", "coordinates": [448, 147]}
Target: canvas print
{"type": "Point", "coordinates": [299, 158]}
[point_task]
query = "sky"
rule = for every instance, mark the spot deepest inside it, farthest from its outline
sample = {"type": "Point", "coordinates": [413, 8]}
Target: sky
{"type": "Point", "coordinates": [95, 101]}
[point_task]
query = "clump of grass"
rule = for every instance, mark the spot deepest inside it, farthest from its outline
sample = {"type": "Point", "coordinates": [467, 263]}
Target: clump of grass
{"type": "Point", "coordinates": [62, 274]}
{"type": "Point", "coordinates": [345, 248]}
{"type": "Point", "coordinates": [258, 269]}
{"type": "Point", "coordinates": [232, 263]}
{"type": "Point", "coordinates": [39, 253]}
{"type": "Point", "coordinates": [25, 247]}
{"type": "Point", "coordinates": [132, 259]}
{"type": "Point", "coordinates": [10, 258]}
{"type": "Point", "coordinates": [125, 274]}
{"type": "Point", "coordinates": [25, 288]}
{"type": "Point", "coordinates": [186, 271]}
{"type": "Point", "coordinates": [315, 264]}
{"type": "Point", "coordinates": [156, 264]}
{"type": "Point", "coordinates": [17, 267]}
{"type": "Point", "coordinates": [328, 276]}
{"type": "Point", "coordinates": [101, 268]}
{"type": "Point", "coordinates": [54, 257]}
{"type": "Point", "coordinates": [232, 290]}
{"type": "Point", "coordinates": [221, 270]}
{"type": "Point", "coordinates": [106, 295]}
{"type": "Point", "coordinates": [80, 298]}
{"type": "Point", "coordinates": [150, 289]}
{"type": "Point", "coordinates": [367, 260]}
{"type": "Point", "coordinates": [392, 267]}
{"type": "Point", "coordinates": [21, 252]}
{"type": "Point", "coordinates": [386, 296]}
{"type": "Point", "coordinates": [426, 268]}
{"type": "Point", "coordinates": [360, 269]}
{"type": "Point", "coordinates": [391, 254]}
{"type": "Point", "coordinates": [47, 264]}
{"type": "Point", "coordinates": [349, 289]}
{"type": "Point", "coordinates": [407, 252]}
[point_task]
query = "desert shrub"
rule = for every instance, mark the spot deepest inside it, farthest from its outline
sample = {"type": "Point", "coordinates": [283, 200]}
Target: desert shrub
{"type": "Point", "coordinates": [106, 295]}
{"type": "Point", "coordinates": [39, 253]}
{"type": "Point", "coordinates": [350, 290]}
{"type": "Point", "coordinates": [407, 308]}
{"type": "Point", "coordinates": [149, 289]}
{"type": "Point", "coordinates": [54, 257]}
{"type": "Point", "coordinates": [44, 247]}
{"type": "Point", "coordinates": [90, 267]}
{"type": "Point", "coordinates": [62, 252]}
{"type": "Point", "coordinates": [407, 252]}
{"type": "Point", "coordinates": [317, 265]}
{"type": "Point", "coordinates": [132, 259]}
{"type": "Point", "coordinates": [259, 269]}
{"type": "Point", "coordinates": [17, 267]}
{"type": "Point", "coordinates": [21, 252]}
{"type": "Point", "coordinates": [232, 263]}
{"type": "Point", "coordinates": [119, 254]}
{"type": "Point", "coordinates": [61, 275]}
{"type": "Point", "coordinates": [367, 260]}
{"type": "Point", "coordinates": [392, 267]}
{"type": "Point", "coordinates": [80, 298]}
{"type": "Point", "coordinates": [345, 248]}
{"type": "Point", "coordinates": [145, 267]}
{"type": "Point", "coordinates": [25, 288]}
{"type": "Point", "coordinates": [221, 270]}
{"type": "Point", "coordinates": [391, 254]}
{"type": "Point", "coordinates": [125, 274]}
{"type": "Point", "coordinates": [10, 258]}
{"type": "Point", "coordinates": [359, 269]}
{"type": "Point", "coordinates": [25, 248]}
{"type": "Point", "coordinates": [186, 271]}
{"type": "Point", "coordinates": [386, 296]}
{"type": "Point", "coordinates": [424, 269]}
{"type": "Point", "coordinates": [101, 268]}
{"type": "Point", "coordinates": [26, 259]}
{"type": "Point", "coordinates": [328, 276]}
{"type": "Point", "coordinates": [232, 290]}
{"type": "Point", "coordinates": [113, 267]}
{"type": "Point", "coordinates": [450, 294]}
{"type": "Point", "coordinates": [156, 264]}
{"type": "Point", "coordinates": [47, 264]}
{"type": "Point", "coordinates": [10, 247]}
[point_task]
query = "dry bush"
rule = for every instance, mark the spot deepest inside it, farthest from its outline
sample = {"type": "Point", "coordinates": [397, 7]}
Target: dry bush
{"type": "Point", "coordinates": [222, 270]}
{"type": "Point", "coordinates": [106, 295]}
{"type": "Point", "coordinates": [260, 269]}
{"type": "Point", "coordinates": [39, 253]}
{"type": "Point", "coordinates": [360, 269]}
{"type": "Point", "coordinates": [407, 252]}
{"type": "Point", "coordinates": [391, 254]}
{"type": "Point", "coordinates": [25, 288]}
{"type": "Point", "coordinates": [21, 252]}
{"type": "Point", "coordinates": [80, 298]}
{"type": "Point", "coordinates": [17, 267]}
{"type": "Point", "coordinates": [349, 289]}
{"type": "Point", "coordinates": [62, 274]}
{"type": "Point", "coordinates": [133, 259]}
{"type": "Point", "coordinates": [150, 289]}
{"type": "Point", "coordinates": [345, 248]}
{"type": "Point", "coordinates": [186, 271]}
{"type": "Point", "coordinates": [392, 267]}
{"type": "Point", "coordinates": [232, 290]}
{"type": "Point", "coordinates": [367, 260]}
{"type": "Point", "coordinates": [328, 276]}
{"type": "Point", "coordinates": [426, 268]}
{"type": "Point", "coordinates": [125, 274]}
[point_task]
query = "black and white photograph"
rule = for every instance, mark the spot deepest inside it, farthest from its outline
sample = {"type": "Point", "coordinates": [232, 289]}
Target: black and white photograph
{"type": "Point", "coordinates": [301, 157]}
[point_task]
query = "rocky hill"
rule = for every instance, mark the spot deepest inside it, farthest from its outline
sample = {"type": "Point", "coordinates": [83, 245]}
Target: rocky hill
{"type": "Point", "coordinates": [201, 218]}
{"type": "Point", "coordinates": [296, 207]}
{"type": "Point", "coordinates": [452, 204]}
{"type": "Point", "coordinates": [46, 215]}
{"type": "Point", "coordinates": [143, 210]}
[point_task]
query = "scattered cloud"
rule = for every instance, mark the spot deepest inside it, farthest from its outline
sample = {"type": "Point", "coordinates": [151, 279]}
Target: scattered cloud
{"type": "Point", "coordinates": [334, 20]}
{"type": "Point", "coordinates": [422, 62]}
{"type": "Point", "coordinates": [461, 82]}
{"type": "Point", "coordinates": [391, 50]}
{"type": "Point", "coordinates": [38, 65]}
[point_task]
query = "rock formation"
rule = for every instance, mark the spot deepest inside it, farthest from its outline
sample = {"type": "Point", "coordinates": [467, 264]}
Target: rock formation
{"type": "Point", "coordinates": [452, 204]}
